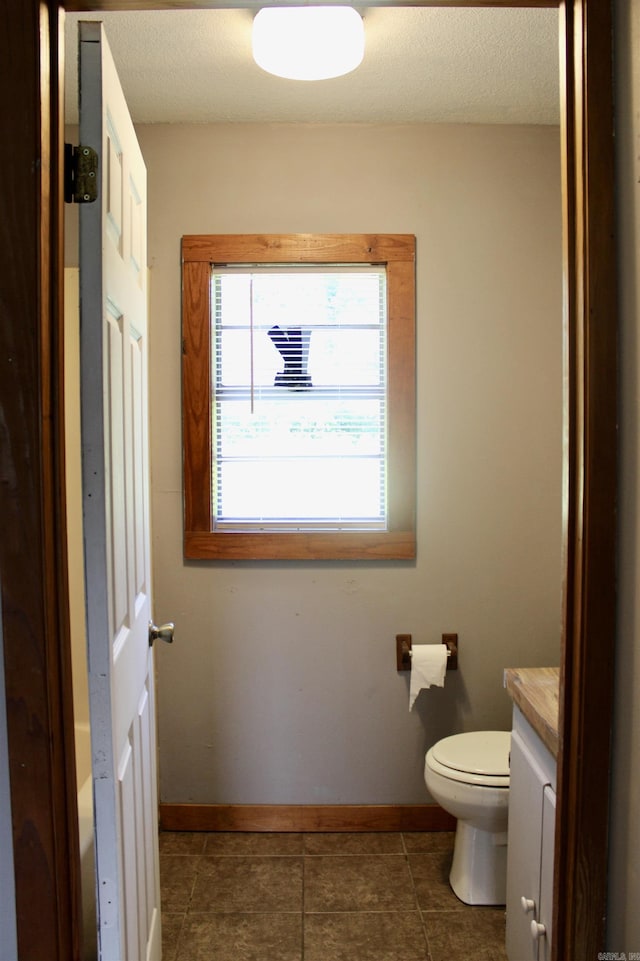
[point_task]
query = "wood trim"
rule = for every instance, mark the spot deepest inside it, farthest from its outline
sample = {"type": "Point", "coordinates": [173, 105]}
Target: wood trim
{"type": "Point", "coordinates": [365, 545]}
{"type": "Point", "coordinates": [33, 570]}
{"type": "Point", "coordinates": [298, 248]}
{"type": "Point", "coordinates": [82, 5]}
{"type": "Point", "coordinates": [199, 253]}
{"type": "Point", "coordinates": [586, 681]}
{"type": "Point", "coordinates": [305, 817]}
{"type": "Point", "coordinates": [196, 395]}
{"type": "Point", "coordinates": [402, 455]}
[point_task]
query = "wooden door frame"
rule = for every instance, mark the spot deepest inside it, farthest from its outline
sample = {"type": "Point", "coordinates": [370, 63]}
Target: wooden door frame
{"type": "Point", "coordinates": [33, 563]}
{"type": "Point", "coordinates": [32, 554]}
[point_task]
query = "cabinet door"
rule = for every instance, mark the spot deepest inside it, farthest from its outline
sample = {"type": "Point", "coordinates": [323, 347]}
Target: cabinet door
{"type": "Point", "coordinates": [546, 870]}
{"type": "Point", "coordinates": [526, 790]}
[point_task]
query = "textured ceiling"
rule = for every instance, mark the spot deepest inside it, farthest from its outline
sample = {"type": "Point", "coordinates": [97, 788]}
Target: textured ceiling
{"type": "Point", "coordinates": [422, 65]}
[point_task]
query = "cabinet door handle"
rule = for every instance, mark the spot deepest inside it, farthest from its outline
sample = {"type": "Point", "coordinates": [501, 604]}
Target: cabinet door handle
{"type": "Point", "coordinates": [528, 905]}
{"type": "Point", "coordinates": [537, 930]}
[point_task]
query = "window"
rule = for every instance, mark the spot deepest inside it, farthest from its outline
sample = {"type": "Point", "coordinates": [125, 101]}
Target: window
{"type": "Point", "coordinates": [302, 400]}
{"type": "Point", "coordinates": [299, 396]}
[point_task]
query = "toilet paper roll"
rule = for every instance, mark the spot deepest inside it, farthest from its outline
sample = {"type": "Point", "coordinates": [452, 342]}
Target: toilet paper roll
{"type": "Point", "coordinates": [428, 667]}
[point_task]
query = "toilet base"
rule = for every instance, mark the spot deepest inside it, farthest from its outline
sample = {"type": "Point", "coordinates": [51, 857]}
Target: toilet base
{"type": "Point", "coordinates": [479, 869]}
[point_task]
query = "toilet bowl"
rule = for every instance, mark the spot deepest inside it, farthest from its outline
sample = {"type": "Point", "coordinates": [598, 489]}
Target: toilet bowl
{"type": "Point", "coordinates": [468, 775]}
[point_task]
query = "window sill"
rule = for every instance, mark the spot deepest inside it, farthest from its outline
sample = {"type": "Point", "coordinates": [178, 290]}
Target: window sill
{"type": "Point", "coordinates": [314, 546]}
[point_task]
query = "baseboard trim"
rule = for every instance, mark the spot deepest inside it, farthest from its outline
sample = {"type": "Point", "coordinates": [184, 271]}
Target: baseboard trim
{"type": "Point", "coordinates": [305, 817]}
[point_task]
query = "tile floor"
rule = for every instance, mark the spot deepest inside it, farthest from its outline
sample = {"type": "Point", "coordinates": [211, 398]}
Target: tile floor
{"type": "Point", "coordinates": [318, 897]}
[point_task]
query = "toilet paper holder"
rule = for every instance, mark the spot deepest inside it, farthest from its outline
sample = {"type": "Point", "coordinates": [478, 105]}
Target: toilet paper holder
{"type": "Point", "coordinates": [403, 651]}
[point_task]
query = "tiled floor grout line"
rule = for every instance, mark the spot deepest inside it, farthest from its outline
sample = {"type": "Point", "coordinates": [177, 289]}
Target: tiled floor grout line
{"type": "Point", "coordinates": [184, 918]}
{"type": "Point", "coordinates": [415, 895]}
{"type": "Point", "coordinates": [304, 888]}
{"type": "Point", "coordinates": [378, 854]}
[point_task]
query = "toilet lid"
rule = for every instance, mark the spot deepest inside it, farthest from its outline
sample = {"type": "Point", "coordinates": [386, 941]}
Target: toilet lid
{"type": "Point", "coordinates": [482, 753]}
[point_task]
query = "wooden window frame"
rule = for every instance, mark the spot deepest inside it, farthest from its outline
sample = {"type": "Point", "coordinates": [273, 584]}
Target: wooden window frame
{"type": "Point", "coordinates": [397, 253]}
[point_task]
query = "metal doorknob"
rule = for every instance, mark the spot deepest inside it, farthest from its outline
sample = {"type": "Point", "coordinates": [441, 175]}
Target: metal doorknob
{"type": "Point", "coordinates": [162, 633]}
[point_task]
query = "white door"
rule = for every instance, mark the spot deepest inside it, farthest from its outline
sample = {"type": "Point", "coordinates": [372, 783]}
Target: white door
{"type": "Point", "coordinates": [113, 311]}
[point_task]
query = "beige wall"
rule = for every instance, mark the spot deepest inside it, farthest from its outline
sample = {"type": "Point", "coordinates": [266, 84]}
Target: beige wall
{"type": "Point", "coordinates": [624, 888]}
{"type": "Point", "coordinates": [281, 686]}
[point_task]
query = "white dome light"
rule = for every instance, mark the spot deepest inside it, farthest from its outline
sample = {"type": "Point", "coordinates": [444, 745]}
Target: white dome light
{"type": "Point", "coordinates": [308, 43]}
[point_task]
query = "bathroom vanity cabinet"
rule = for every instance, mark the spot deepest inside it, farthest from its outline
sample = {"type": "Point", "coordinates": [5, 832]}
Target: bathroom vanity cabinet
{"type": "Point", "coordinates": [532, 810]}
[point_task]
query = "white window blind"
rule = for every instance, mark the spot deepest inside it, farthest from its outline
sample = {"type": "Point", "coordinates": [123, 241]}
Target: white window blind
{"type": "Point", "coordinates": [299, 405]}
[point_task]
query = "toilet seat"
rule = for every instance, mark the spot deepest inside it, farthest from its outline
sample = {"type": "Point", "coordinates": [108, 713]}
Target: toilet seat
{"type": "Point", "coordinates": [478, 757]}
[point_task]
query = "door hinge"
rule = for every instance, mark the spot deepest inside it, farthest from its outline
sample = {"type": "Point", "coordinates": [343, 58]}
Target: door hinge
{"type": "Point", "coordinates": [80, 174]}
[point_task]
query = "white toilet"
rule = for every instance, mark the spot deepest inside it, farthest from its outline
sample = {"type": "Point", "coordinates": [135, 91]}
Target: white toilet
{"type": "Point", "coordinates": [468, 775]}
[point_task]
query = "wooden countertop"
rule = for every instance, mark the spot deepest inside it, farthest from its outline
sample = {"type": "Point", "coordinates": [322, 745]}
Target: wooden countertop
{"type": "Point", "coordinates": [535, 691]}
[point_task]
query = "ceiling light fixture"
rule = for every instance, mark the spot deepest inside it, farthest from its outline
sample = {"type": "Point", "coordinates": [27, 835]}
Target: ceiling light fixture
{"type": "Point", "coordinates": [308, 43]}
